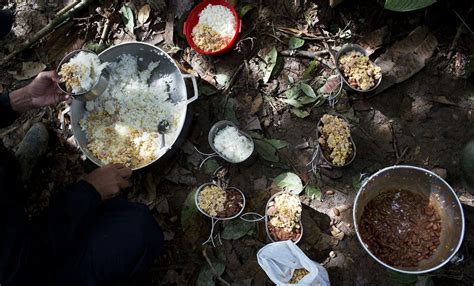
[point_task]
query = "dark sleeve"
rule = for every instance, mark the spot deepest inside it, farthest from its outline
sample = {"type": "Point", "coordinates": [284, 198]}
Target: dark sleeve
{"type": "Point", "coordinates": [71, 211]}
{"type": "Point", "coordinates": [7, 114]}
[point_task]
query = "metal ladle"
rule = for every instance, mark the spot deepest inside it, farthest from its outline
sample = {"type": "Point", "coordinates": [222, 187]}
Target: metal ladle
{"type": "Point", "coordinates": [163, 128]}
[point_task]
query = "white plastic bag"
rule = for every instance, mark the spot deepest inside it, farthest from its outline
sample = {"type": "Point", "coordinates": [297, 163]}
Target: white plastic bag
{"type": "Point", "coordinates": [280, 259]}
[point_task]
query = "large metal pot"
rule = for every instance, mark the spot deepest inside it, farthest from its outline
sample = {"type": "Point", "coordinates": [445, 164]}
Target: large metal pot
{"type": "Point", "coordinates": [146, 53]}
{"type": "Point", "coordinates": [429, 185]}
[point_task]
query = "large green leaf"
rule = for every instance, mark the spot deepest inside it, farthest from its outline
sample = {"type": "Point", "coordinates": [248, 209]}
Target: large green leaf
{"type": "Point", "coordinates": [313, 192]}
{"type": "Point", "coordinates": [407, 5]}
{"type": "Point", "coordinates": [206, 276]}
{"type": "Point", "coordinates": [245, 9]}
{"type": "Point", "coordinates": [278, 144]}
{"type": "Point", "coordinates": [189, 210]}
{"type": "Point", "coordinates": [308, 90]}
{"type": "Point", "coordinates": [270, 60]}
{"type": "Point", "coordinates": [127, 17]}
{"type": "Point", "coordinates": [266, 150]}
{"type": "Point", "coordinates": [310, 69]}
{"type": "Point", "coordinates": [290, 182]}
{"type": "Point", "coordinates": [295, 43]}
{"type": "Point", "coordinates": [300, 113]}
{"type": "Point", "coordinates": [236, 229]}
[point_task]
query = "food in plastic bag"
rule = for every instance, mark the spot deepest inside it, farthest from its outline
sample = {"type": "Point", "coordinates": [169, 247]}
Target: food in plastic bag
{"type": "Point", "coordinates": [280, 260]}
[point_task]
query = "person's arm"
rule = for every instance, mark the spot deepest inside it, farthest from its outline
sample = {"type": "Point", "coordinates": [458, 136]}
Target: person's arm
{"type": "Point", "coordinates": [74, 208]}
{"type": "Point", "coordinates": [7, 114]}
{"type": "Point", "coordinates": [42, 91]}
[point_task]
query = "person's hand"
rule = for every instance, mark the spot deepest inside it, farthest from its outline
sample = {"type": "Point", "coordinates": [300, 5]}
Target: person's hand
{"type": "Point", "coordinates": [109, 180]}
{"type": "Point", "coordinates": [42, 91]}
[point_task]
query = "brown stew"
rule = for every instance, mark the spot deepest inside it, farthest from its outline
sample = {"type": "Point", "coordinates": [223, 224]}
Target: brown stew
{"type": "Point", "coordinates": [401, 228]}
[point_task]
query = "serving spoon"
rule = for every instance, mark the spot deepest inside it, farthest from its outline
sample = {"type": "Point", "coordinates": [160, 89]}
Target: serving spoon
{"type": "Point", "coordinates": [163, 128]}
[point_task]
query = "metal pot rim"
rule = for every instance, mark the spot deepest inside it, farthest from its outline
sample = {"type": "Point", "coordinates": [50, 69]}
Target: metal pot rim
{"type": "Point", "coordinates": [63, 61]}
{"type": "Point", "coordinates": [186, 99]}
{"type": "Point", "coordinates": [356, 226]}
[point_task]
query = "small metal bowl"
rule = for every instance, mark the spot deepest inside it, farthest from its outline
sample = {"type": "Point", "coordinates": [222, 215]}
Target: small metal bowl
{"type": "Point", "coordinates": [320, 123]}
{"type": "Point", "coordinates": [348, 48]}
{"type": "Point", "coordinates": [219, 126]}
{"type": "Point", "coordinates": [97, 89]}
{"type": "Point", "coordinates": [272, 198]}
{"type": "Point", "coordinates": [196, 202]}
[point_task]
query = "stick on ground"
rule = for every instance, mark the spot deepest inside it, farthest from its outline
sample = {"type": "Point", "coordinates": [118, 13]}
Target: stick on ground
{"type": "Point", "coordinates": [47, 29]}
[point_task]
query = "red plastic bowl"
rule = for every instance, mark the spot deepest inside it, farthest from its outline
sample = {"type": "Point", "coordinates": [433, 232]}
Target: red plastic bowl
{"type": "Point", "coordinates": [193, 19]}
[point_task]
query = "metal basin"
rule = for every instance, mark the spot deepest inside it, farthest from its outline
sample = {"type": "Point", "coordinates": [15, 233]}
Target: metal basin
{"type": "Point", "coordinates": [146, 54]}
{"type": "Point", "coordinates": [433, 188]}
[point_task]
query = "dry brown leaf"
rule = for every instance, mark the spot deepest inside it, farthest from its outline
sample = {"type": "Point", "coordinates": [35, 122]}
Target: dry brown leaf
{"type": "Point", "coordinates": [28, 70]}
{"type": "Point", "coordinates": [144, 14]}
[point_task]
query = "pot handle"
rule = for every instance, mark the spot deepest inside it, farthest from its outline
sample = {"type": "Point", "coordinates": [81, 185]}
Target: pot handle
{"type": "Point", "coordinates": [195, 87]}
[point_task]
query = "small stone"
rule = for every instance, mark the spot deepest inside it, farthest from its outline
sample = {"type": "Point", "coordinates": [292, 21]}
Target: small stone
{"type": "Point", "coordinates": [329, 193]}
{"type": "Point", "coordinates": [336, 211]}
{"type": "Point", "coordinates": [332, 254]}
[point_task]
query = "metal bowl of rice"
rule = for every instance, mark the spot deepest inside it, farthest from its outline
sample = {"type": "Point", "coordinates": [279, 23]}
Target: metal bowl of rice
{"type": "Point", "coordinates": [356, 48]}
{"type": "Point", "coordinates": [230, 143]}
{"type": "Point", "coordinates": [120, 126]}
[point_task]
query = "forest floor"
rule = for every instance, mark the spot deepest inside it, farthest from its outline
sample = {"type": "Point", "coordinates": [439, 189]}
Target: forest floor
{"type": "Point", "coordinates": [424, 120]}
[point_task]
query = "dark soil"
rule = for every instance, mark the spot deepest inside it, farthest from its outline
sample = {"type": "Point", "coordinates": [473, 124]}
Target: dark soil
{"type": "Point", "coordinates": [423, 121]}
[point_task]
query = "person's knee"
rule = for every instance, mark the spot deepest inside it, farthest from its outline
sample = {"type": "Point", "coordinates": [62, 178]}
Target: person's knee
{"type": "Point", "coordinates": [150, 228]}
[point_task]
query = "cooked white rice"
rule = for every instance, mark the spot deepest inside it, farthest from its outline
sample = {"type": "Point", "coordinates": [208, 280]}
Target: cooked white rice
{"type": "Point", "coordinates": [121, 124]}
{"type": "Point", "coordinates": [234, 146]}
{"type": "Point", "coordinates": [86, 69]}
{"type": "Point", "coordinates": [219, 18]}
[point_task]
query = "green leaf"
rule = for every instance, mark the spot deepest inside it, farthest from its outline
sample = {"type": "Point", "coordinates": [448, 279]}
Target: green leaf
{"type": "Point", "coordinates": [313, 192]}
{"type": "Point", "coordinates": [290, 182]}
{"type": "Point", "coordinates": [402, 278]}
{"type": "Point", "coordinates": [236, 229]}
{"type": "Point", "coordinates": [308, 90]}
{"type": "Point", "coordinates": [189, 210]}
{"type": "Point", "coordinates": [407, 5]}
{"type": "Point", "coordinates": [270, 60]}
{"type": "Point", "coordinates": [210, 166]}
{"type": "Point", "coordinates": [266, 151]}
{"type": "Point", "coordinates": [278, 67]}
{"type": "Point", "coordinates": [254, 135]}
{"type": "Point", "coordinates": [310, 69]}
{"type": "Point", "coordinates": [300, 113]}
{"type": "Point", "coordinates": [295, 43]}
{"type": "Point", "coordinates": [292, 102]}
{"type": "Point", "coordinates": [245, 9]}
{"type": "Point", "coordinates": [424, 281]}
{"type": "Point", "coordinates": [294, 92]}
{"type": "Point", "coordinates": [228, 105]}
{"type": "Point", "coordinates": [319, 101]}
{"type": "Point", "coordinates": [356, 182]}
{"type": "Point", "coordinates": [127, 17]}
{"type": "Point", "coordinates": [278, 144]}
{"type": "Point", "coordinates": [206, 275]}
{"type": "Point", "coordinates": [306, 100]}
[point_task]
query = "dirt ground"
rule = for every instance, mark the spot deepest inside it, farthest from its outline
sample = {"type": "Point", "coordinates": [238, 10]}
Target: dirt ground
{"type": "Point", "coordinates": [423, 121]}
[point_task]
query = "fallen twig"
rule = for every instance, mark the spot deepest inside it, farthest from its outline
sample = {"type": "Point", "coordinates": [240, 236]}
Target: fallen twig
{"type": "Point", "coordinates": [458, 33]}
{"type": "Point", "coordinates": [234, 77]}
{"type": "Point", "coordinates": [60, 19]}
{"type": "Point", "coordinates": [204, 253]}
{"type": "Point", "coordinates": [304, 54]}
